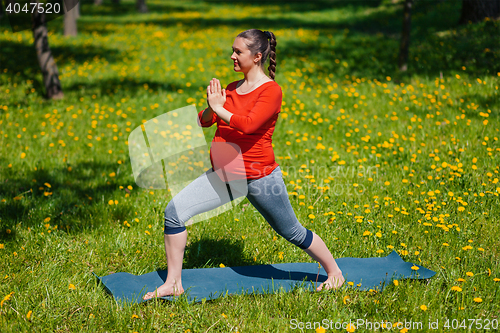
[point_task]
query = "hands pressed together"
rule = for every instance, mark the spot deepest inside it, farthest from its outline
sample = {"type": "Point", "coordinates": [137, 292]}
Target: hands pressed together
{"type": "Point", "coordinates": [216, 97]}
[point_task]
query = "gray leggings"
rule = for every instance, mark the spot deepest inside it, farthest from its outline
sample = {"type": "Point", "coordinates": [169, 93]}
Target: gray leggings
{"type": "Point", "coordinates": [267, 194]}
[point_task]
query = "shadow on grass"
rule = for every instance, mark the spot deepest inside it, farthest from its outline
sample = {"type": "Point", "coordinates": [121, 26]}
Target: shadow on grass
{"type": "Point", "coordinates": [371, 47]}
{"type": "Point", "coordinates": [22, 59]}
{"type": "Point", "coordinates": [68, 199]}
{"type": "Point", "coordinates": [129, 87]}
{"type": "Point", "coordinates": [368, 43]}
{"type": "Point", "coordinates": [207, 253]}
{"type": "Point", "coordinates": [490, 102]}
{"type": "Point", "coordinates": [109, 8]}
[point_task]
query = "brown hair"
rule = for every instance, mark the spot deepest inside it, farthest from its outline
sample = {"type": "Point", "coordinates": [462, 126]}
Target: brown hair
{"type": "Point", "coordinates": [263, 42]}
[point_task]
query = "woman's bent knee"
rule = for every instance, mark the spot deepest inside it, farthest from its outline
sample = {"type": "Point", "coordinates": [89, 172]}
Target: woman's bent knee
{"type": "Point", "coordinates": [173, 224]}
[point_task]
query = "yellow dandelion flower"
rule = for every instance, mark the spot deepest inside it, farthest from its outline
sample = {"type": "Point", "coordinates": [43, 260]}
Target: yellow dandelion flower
{"type": "Point", "coordinates": [320, 330]}
{"type": "Point", "coordinates": [222, 266]}
{"type": "Point", "coordinates": [71, 286]}
{"type": "Point", "coordinates": [396, 282]}
{"type": "Point", "coordinates": [346, 298]}
{"type": "Point", "coordinates": [456, 288]}
{"type": "Point", "coordinates": [423, 307]}
{"type": "Point", "coordinates": [478, 299]}
{"type": "Point", "coordinates": [6, 298]}
{"type": "Point", "coordinates": [134, 316]}
{"type": "Point", "coordinates": [111, 202]}
{"type": "Point", "coordinates": [415, 268]}
{"type": "Point", "coordinates": [350, 328]}
{"type": "Point", "coordinates": [387, 183]}
{"type": "Point", "coordinates": [28, 315]}
{"type": "Point", "coordinates": [470, 274]}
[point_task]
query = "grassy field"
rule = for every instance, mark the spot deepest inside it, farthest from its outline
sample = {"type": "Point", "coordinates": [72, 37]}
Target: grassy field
{"type": "Point", "coordinates": [374, 161]}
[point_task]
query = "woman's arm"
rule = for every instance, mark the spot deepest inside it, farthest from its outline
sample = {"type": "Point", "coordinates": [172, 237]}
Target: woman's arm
{"type": "Point", "coordinates": [216, 97]}
{"type": "Point", "coordinates": [223, 114]}
{"type": "Point", "coordinates": [207, 115]}
{"type": "Point", "coordinates": [267, 105]}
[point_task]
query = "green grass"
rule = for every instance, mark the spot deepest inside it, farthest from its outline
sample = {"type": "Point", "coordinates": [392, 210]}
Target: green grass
{"type": "Point", "coordinates": [381, 160]}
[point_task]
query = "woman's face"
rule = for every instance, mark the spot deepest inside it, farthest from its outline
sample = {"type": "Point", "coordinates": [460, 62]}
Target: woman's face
{"type": "Point", "coordinates": [242, 57]}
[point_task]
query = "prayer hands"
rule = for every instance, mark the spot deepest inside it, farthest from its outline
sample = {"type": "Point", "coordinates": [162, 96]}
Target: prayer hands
{"type": "Point", "coordinates": [216, 97]}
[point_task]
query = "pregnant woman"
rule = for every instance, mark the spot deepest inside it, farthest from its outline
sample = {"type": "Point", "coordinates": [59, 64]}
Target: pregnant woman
{"type": "Point", "coordinates": [245, 113]}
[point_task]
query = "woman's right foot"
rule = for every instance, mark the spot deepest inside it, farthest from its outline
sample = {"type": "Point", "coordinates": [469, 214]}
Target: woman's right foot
{"type": "Point", "coordinates": [166, 289]}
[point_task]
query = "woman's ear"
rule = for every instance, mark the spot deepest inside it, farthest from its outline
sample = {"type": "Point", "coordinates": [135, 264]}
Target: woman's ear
{"type": "Point", "coordinates": [257, 57]}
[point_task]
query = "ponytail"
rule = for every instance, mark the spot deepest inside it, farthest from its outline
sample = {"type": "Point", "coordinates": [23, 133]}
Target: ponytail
{"type": "Point", "coordinates": [272, 54]}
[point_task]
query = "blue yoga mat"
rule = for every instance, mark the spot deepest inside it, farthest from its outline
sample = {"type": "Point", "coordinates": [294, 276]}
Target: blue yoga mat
{"type": "Point", "coordinates": [212, 283]}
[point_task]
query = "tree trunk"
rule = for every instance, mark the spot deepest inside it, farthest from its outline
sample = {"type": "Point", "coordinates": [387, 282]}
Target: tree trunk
{"type": "Point", "coordinates": [141, 6]}
{"type": "Point", "coordinates": [405, 37]}
{"type": "Point", "coordinates": [45, 59]}
{"type": "Point", "coordinates": [97, 2]}
{"type": "Point", "coordinates": [77, 15]}
{"type": "Point", "coordinates": [477, 10]}
{"type": "Point", "coordinates": [70, 27]}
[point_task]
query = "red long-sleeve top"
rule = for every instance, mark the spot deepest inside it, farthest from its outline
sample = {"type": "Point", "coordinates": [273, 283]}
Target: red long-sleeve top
{"type": "Point", "coordinates": [251, 127]}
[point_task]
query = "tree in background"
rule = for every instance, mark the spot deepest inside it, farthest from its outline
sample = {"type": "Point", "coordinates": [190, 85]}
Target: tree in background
{"type": "Point", "coordinates": [45, 59]}
{"type": "Point", "coordinates": [405, 36]}
{"type": "Point", "coordinates": [141, 6]}
{"type": "Point", "coordinates": [477, 10]}
{"type": "Point", "coordinates": [70, 16]}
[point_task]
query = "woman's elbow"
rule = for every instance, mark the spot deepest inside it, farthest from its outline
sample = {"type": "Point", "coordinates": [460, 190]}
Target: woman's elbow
{"type": "Point", "coordinates": [248, 130]}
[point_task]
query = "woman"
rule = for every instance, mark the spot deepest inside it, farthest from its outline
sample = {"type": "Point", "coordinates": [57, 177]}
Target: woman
{"type": "Point", "coordinates": [245, 113]}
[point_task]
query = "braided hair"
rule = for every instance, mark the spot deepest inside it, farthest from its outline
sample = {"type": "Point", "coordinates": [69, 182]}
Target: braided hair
{"type": "Point", "coordinates": [263, 42]}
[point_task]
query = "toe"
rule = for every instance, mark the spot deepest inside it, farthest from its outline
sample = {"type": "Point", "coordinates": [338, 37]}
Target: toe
{"type": "Point", "coordinates": [147, 296]}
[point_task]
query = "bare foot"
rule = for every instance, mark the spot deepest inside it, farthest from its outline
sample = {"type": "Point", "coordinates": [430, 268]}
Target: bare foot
{"type": "Point", "coordinates": [166, 289]}
{"type": "Point", "coordinates": [333, 282]}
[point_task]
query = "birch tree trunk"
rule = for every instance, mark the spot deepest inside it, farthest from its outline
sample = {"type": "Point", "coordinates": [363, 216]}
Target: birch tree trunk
{"type": "Point", "coordinates": [404, 48]}
{"type": "Point", "coordinates": [47, 64]}
{"type": "Point", "coordinates": [141, 6]}
{"type": "Point", "coordinates": [70, 27]}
